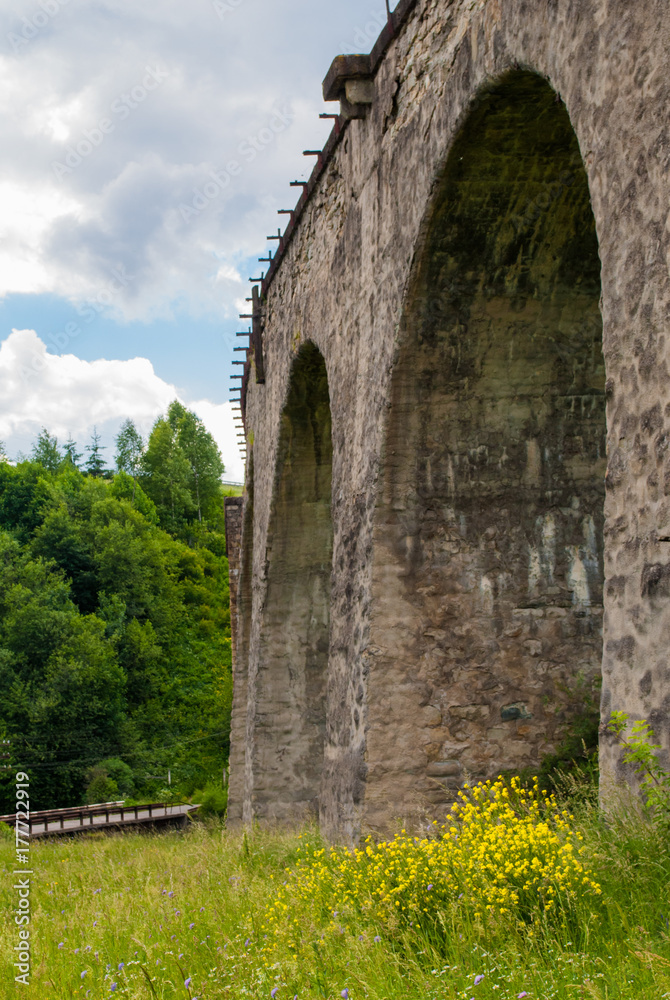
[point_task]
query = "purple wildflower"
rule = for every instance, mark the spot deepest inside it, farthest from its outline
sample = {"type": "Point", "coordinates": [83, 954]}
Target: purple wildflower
{"type": "Point", "coordinates": [478, 980]}
{"type": "Point", "coordinates": [377, 938]}
{"type": "Point", "coordinates": [202, 909]}
{"type": "Point", "coordinates": [83, 973]}
{"type": "Point", "coordinates": [60, 944]}
{"type": "Point", "coordinates": [76, 951]}
{"type": "Point", "coordinates": [247, 942]}
{"type": "Point", "coordinates": [121, 965]}
{"type": "Point", "coordinates": [430, 887]}
{"type": "Point", "coordinates": [113, 986]}
{"type": "Point", "coordinates": [274, 992]}
{"type": "Point", "coordinates": [187, 982]}
{"type": "Point", "coordinates": [523, 993]}
{"type": "Point", "coordinates": [170, 894]}
{"type": "Point", "coordinates": [345, 994]}
{"type": "Point", "coordinates": [191, 926]}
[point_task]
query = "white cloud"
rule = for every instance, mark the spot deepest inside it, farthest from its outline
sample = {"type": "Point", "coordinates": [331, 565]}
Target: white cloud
{"type": "Point", "coordinates": [222, 76]}
{"type": "Point", "coordinates": [70, 396]}
{"type": "Point", "coordinates": [238, 98]}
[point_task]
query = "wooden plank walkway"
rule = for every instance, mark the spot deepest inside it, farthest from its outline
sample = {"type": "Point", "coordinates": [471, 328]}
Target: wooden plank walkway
{"type": "Point", "coordinates": [105, 816]}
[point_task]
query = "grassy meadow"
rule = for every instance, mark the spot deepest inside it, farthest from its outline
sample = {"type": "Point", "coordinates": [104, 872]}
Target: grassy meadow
{"type": "Point", "coordinates": [525, 899]}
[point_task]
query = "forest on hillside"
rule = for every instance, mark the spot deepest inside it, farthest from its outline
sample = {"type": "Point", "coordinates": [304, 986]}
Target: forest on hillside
{"type": "Point", "coordinates": [115, 662]}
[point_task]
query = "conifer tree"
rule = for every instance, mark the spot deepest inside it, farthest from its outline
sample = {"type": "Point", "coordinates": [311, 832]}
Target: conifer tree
{"type": "Point", "coordinates": [72, 456]}
{"type": "Point", "coordinates": [95, 464]}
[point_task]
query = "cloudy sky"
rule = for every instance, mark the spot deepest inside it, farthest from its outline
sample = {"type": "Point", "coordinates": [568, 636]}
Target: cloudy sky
{"type": "Point", "coordinates": [146, 147]}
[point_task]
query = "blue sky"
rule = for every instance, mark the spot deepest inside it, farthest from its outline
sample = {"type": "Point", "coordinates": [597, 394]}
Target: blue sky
{"type": "Point", "coordinates": [146, 149]}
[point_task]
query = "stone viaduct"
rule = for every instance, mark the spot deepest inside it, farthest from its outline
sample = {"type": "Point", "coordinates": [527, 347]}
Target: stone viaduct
{"type": "Point", "coordinates": [456, 404]}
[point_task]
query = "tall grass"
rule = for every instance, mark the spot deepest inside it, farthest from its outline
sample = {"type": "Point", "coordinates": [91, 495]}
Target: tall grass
{"type": "Point", "coordinates": [185, 914]}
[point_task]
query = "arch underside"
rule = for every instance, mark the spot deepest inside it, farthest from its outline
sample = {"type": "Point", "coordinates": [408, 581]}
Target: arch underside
{"type": "Point", "coordinates": [286, 728]}
{"type": "Point", "coordinates": [487, 585]}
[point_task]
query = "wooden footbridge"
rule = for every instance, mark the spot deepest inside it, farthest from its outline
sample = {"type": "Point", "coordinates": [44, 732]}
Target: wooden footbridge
{"type": "Point", "coordinates": [105, 816]}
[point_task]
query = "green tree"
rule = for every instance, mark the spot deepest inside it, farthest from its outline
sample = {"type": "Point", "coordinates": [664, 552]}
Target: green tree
{"type": "Point", "coordinates": [95, 464]}
{"type": "Point", "coordinates": [114, 635]}
{"type": "Point", "coordinates": [124, 487]}
{"type": "Point", "coordinates": [166, 477]}
{"type": "Point", "coordinates": [72, 457]}
{"type": "Point", "coordinates": [25, 495]}
{"type": "Point", "coordinates": [129, 450]}
{"type": "Point", "coordinates": [203, 456]}
{"type": "Point", "coordinates": [46, 452]}
{"type": "Point", "coordinates": [62, 686]}
{"type": "Point", "coordinates": [60, 539]}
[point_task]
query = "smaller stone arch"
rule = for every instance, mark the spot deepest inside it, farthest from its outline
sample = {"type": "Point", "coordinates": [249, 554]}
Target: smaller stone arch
{"type": "Point", "coordinates": [287, 721]}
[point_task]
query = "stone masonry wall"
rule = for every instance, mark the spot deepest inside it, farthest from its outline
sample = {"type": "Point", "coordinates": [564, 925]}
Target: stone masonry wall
{"type": "Point", "coordinates": [346, 283]}
{"type": "Point", "coordinates": [234, 512]}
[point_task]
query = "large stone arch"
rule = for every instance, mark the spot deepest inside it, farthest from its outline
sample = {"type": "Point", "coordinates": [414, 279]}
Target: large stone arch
{"type": "Point", "coordinates": [488, 563]}
{"type": "Point", "coordinates": [286, 718]}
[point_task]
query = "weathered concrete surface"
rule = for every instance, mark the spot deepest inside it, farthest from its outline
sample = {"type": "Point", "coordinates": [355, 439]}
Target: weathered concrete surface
{"type": "Point", "coordinates": [426, 677]}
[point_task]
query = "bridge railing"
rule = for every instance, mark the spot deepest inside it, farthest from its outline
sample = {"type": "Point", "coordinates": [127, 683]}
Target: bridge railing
{"type": "Point", "coordinates": [102, 814]}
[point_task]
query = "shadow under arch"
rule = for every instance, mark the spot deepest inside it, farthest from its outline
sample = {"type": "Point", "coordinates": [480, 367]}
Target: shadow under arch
{"type": "Point", "coordinates": [488, 564]}
{"type": "Point", "coordinates": [289, 719]}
